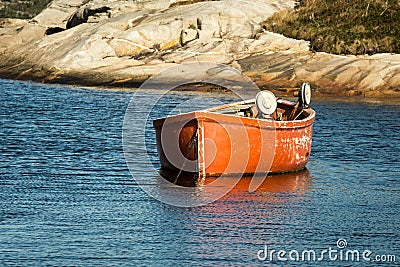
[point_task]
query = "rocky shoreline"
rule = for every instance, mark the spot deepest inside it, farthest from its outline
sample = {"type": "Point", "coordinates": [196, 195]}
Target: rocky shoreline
{"type": "Point", "coordinates": [120, 43]}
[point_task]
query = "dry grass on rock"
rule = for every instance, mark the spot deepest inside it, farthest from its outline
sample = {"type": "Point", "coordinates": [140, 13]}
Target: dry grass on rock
{"type": "Point", "coordinates": [341, 26]}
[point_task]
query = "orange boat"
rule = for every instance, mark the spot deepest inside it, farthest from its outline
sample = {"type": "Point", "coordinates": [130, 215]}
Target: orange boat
{"type": "Point", "coordinates": [258, 136]}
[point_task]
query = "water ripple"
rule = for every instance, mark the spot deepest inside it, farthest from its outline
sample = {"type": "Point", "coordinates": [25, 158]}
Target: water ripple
{"type": "Point", "coordinates": [67, 198]}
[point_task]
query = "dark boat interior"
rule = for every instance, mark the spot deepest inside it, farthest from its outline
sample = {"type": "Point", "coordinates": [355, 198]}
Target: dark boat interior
{"type": "Point", "coordinates": [285, 111]}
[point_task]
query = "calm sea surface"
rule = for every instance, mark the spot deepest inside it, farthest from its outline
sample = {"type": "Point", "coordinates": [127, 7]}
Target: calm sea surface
{"type": "Point", "coordinates": [68, 199]}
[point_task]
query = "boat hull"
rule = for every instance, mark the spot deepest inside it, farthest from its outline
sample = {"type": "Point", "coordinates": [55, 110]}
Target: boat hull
{"type": "Point", "coordinates": [212, 144]}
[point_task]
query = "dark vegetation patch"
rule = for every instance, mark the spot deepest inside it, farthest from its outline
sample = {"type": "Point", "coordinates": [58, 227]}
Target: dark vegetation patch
{"type": "Point", "coordinates": [342, 26]}
{"type": "Point", "coordinates": [21, 9]}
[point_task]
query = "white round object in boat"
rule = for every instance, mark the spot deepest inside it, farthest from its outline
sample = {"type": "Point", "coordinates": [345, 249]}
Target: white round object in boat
{"type": "Point", "coordinates": [306, 94]}
{"type": "Point", "coordinates": [266, 103]}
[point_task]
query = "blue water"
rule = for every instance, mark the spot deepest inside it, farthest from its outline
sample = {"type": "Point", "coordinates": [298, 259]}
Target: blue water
{"type": "Point", "coordinates": [68, 199]}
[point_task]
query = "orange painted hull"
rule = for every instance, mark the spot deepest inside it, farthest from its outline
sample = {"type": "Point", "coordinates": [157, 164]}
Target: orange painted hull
{"type": "Point", "coordinates": [212, 144]}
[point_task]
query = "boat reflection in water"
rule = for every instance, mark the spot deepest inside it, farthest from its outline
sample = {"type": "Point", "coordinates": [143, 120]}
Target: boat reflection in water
{"type": "Point", "coordinates": [288, 183]}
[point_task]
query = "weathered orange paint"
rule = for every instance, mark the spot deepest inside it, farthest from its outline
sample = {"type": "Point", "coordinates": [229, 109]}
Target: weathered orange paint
{"type": "Point", "coordinates": [218, 143]}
